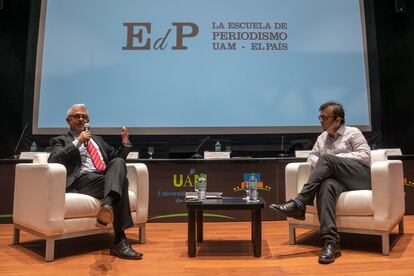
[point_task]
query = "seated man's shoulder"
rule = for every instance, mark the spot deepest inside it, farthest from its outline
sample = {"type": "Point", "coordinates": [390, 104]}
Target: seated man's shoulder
{"type": "Point", "coordinates": [352, 129]}
{"type": "Point", "coordinates": [323, 135]}
{"type": "Point", "coordinates": [60, 137]}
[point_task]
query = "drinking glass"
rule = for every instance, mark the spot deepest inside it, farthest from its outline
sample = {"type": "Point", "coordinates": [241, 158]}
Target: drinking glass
{"type": "Point", "coordinates": [200, 187]}
{"type": "Point", "coordinates": [150, 151]}
{"type": "Point", "coordinates": [253, 194]}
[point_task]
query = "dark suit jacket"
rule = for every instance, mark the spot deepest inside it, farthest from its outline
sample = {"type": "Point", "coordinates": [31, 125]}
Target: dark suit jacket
{"type": "Point", "coordinates": [65, 153]}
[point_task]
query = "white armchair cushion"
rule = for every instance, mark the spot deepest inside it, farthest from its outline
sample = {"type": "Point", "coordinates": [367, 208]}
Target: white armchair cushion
{"type": "Point", "coordinates": [80, 205]}
{"type": "Point", "coordinates": [355, 203]}
{"type": "Point", "coordinates": [352, 203]}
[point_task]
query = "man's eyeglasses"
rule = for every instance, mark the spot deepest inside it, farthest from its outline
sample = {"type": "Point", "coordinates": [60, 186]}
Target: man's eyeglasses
{"type": "Point", "coordinates": [80, 116]}
{"type": "Point", "coordinates": [324, 118]}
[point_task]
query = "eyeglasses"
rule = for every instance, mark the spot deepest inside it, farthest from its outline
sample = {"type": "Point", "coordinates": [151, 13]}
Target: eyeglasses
{"type": "Point", "coordinates": [78, 116]}
{"type": "Point", "coordinates": [324, 118]}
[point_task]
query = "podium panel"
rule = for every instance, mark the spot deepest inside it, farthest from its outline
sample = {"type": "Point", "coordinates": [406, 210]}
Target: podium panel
{"type": "Point", "coordinates": [171, 179]}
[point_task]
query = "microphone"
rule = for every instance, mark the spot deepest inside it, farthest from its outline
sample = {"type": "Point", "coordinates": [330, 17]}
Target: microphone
{"type": "Point", "coordinates": [86, 127]}
{"type": "Point", "coordinates": [15, 155]}
{"type": "Point", "coordinates": [196, 154]}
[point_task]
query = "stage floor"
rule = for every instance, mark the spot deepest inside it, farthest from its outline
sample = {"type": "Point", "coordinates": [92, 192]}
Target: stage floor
{"type": "Point", "coordinates": [226, 250]}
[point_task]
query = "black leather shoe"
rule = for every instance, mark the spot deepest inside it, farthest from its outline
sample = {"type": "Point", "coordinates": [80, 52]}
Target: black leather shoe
{"type": "Point", "coordinates": [105, 216]}
{"type": "Point", "coordinates": [329, 252]}
{"type": "Point", "coordinates": [124, 250]}
{"type": "Point", "coordinates": [290, 209]}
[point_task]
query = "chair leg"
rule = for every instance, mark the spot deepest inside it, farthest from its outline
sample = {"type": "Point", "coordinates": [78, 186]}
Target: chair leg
{"type": "Point", "coordinates": [141, 234]}
{"type": "Point", "coordinates": [16, 235]}
{"type": "Point", "coordinates": [385, 244]}
{"type": "Point", "coordinates": [401, 227]}
{"type": "Point", "coordinates": [50, 250]}
{"type": "Point", "coordinates": [292, 234]}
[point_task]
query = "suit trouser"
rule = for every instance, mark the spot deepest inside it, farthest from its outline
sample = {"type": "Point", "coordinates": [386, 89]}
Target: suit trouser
{"type": "Point", "coordinates": [99, 185]}
{"type": "Point", "coordinates": [331, 176]}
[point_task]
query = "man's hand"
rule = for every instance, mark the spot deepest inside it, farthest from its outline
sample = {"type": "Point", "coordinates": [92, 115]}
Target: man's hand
{"type": "Point", "coordinates": [125, 136]}
{"type": "Point", "coordinates": [84, 136]}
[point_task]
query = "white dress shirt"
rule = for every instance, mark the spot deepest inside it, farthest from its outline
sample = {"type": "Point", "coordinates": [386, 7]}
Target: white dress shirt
{"type": "Point", "coordinates": [87, 163]}
{"type": "Point", "coordinates": [348, 143]}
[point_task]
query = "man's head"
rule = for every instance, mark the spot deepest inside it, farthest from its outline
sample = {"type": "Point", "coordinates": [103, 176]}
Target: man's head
{"type": "Point", "coordinates": [77, 116]}
{"type": "Point", "coordinates": [330, 113]}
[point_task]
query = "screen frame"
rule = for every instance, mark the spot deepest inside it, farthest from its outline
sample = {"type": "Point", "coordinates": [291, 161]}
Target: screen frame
{"type": "Point", "coordinates": [42, 6]}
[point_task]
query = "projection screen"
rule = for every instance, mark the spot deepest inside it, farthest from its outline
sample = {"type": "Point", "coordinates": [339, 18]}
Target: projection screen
{"type": "Point", "coordinates": [200, 67]}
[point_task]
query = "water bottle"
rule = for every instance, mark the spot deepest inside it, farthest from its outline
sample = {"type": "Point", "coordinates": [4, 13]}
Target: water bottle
{"type": "Point", "coordinates": [33, 147]}
{"type": "Point", "coordinates": [217, 147]}
{"type": "Point", "coordinates": [253, 194]}
{"type": "Point", "coordinates": [201, 187]}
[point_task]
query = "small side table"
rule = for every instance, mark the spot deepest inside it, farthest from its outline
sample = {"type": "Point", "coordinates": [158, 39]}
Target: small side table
{"type": "Point", "coordinates": [195, 219]}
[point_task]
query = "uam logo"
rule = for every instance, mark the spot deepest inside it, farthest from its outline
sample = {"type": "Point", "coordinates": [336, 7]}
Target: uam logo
{"type": "Point", "coordinates": [244, 185]}
{"type": "Point", "coordinates": [186, 180]}
{"type": "Point", "coordinates": [139, 36]}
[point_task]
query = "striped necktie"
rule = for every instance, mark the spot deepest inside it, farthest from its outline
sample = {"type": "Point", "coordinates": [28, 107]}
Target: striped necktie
{"type": "Point", "coordinates": [96, 159]}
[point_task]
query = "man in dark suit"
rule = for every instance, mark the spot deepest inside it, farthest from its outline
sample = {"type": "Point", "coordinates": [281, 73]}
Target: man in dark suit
{"type": "Point", "coordinates": [97, 169]}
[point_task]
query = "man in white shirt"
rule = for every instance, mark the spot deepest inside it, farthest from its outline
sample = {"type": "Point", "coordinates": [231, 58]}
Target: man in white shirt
{"type": "Point", "coordinates": [341, 162]}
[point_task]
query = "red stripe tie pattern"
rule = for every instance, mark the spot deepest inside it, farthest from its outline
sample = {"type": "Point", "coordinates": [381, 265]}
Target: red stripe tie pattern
{"type": "Point", "coordinates": [96, 159]}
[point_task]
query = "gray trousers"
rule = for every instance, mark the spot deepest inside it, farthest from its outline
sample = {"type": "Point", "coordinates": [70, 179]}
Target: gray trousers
{"type": "Point", "coordinates": [99, 185]}
{"type": "Point", "coordinates": [331, 176]}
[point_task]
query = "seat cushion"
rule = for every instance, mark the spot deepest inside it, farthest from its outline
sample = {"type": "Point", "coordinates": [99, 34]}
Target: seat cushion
{"type": "Point", "coordinates": [80, 205]}
{"type": "Point", "coordinates": [355, 203]}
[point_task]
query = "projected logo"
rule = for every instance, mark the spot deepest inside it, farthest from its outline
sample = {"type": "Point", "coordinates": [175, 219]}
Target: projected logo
{"type": "Point", "coordinates": [244, 185]}
{"type": "Point", "coordinates": [139, 36]}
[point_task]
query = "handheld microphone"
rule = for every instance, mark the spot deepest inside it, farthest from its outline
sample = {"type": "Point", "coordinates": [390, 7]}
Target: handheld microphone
{"type": "Point", "coordinates": [15, 155]}
{"type": "Point", "coordinates": [86, 127]}
{"type": "Point", "coordinates": [196, 154]}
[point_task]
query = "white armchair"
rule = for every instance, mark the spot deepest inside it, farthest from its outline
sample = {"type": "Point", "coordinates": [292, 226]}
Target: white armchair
{"type": "Point", "coordinates": [374, 212]}
{"type": "Point", "coordinates": [41, 206]}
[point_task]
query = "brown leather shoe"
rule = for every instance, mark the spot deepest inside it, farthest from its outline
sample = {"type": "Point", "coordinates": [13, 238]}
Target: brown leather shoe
{"type": "Point", "coordinates": [105, 216]}
{"type": "Point", "coordinates": [124, 250]}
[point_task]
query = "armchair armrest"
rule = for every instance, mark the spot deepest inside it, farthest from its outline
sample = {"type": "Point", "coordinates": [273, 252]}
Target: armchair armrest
{"type": "Point", "coordinates": [39, 197]}
{"type": "Point", "coordinates": [139, 184]}
{"type": "Point", "coordinates": [296, 174]}
{"type": "Point", "coordinates": [387, 190]}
